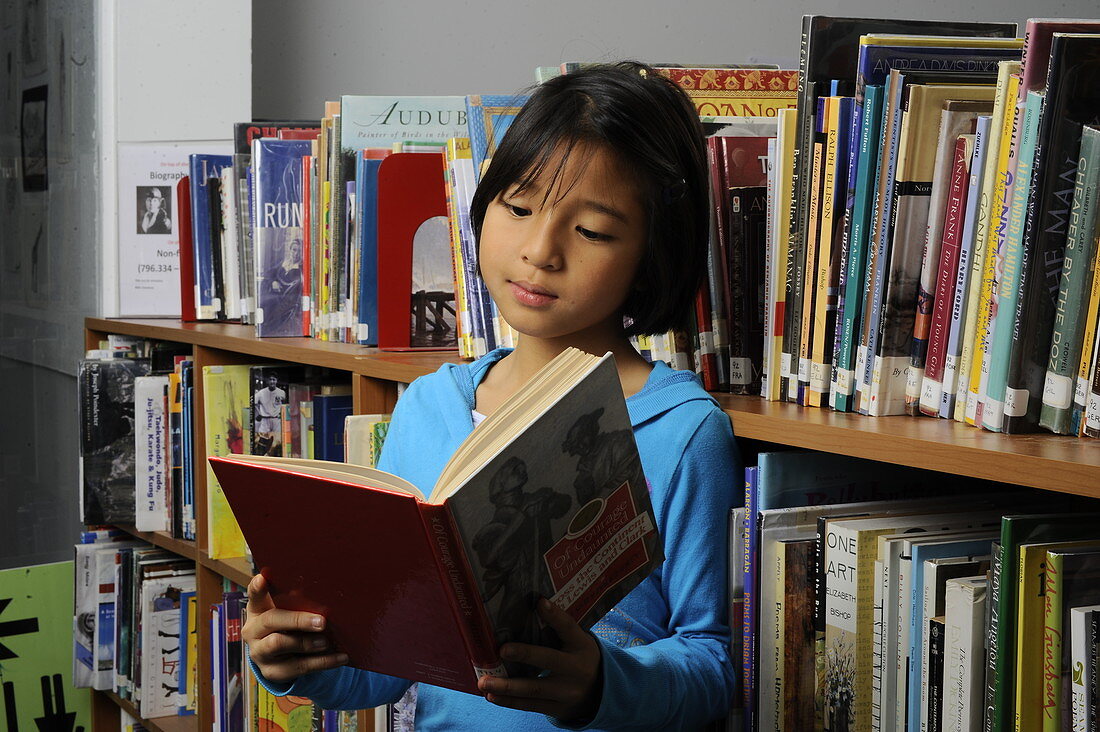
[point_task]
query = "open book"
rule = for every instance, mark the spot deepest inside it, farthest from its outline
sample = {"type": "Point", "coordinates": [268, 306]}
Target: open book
{"type": "Point", "coordinates": [546, 498]}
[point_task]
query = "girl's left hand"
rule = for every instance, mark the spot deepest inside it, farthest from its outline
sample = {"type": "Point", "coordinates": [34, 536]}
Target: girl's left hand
{"type": "Point", "coordinates": [571, 690]}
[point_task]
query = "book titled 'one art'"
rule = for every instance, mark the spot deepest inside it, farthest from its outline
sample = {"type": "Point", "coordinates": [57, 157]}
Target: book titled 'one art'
{"type": "Point", "coordinates": [546, 498]}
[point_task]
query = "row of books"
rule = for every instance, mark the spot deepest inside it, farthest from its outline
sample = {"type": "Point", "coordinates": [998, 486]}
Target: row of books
{"type": "Point", "coordinates": [134, 623]}
{"type": "Point", "coordinates": [321, 228]}
{"type": "Point", "coordinates": [138, 427]}
{"type": "Point", "coordinates": [875, 597]}
{"type": "Point", "coordinates": [936, 251]}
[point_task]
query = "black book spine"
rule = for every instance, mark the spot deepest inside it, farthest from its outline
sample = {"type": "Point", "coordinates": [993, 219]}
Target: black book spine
{"type": "Point", "coordinates": [214, 195]}
{"type": "Point", "coordinates": [935, 675]}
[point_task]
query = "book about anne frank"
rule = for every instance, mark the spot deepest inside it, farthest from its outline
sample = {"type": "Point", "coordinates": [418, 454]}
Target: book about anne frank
{"type": "Point", "coordinates": [107, 438]}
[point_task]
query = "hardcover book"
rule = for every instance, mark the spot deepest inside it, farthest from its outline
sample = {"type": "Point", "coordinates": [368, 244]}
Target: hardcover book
{"type": "Point", "coordinates": [204, 168]}
{"type": "Point", "coordinates": [277, 171]}
{"type": "Point", "coordinates": [747, 92]}
{"type": "Point", "coordinates": [450, 576]}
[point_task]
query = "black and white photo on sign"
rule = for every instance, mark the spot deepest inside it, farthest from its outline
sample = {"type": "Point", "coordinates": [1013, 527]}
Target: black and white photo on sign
{"type": "Point", "coordinates": [33, 35]}
{"type": "Point", "coordinates": [154, 207]}
{"type": "Point", "coordinates": [33, 138]}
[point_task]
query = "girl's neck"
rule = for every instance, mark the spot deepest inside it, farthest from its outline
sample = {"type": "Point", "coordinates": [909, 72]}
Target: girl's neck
{"type": "Point", "coordinates": [512, 372]}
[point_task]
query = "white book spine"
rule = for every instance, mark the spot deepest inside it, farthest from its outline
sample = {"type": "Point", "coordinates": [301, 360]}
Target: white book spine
{"type": "Point", "coordinates": [1080, 660]}
{"type": "Point", "coordinates": [901, 657]}
{"type": "Point", "coordinates": [150, 466]}
{"type": "Point", "coordinates": [964, 662]}
{"type": "Point", "coordinates": [877, 646]}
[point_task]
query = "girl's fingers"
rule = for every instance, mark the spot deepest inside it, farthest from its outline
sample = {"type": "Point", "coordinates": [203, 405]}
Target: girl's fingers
{"type": "Point", "coordinates": [287, 644]}
{"type": "Point", "coordinates": [542, 657]}
{"type": "Point", "coordinates": [283, 621]}
{"type": "Point", "coordinates": [259, 598]}
{"type": "Point", "coordinates": [572, 635]}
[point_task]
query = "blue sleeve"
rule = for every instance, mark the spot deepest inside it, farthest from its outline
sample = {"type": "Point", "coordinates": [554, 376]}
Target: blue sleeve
{"type": "Point", "coordinates": [686, 679]}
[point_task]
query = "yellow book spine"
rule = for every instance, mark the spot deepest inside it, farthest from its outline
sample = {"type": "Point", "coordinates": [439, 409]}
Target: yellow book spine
{"type": "Point", "coordinates": [326, 261]}
{"type": "Point", "coordinates": [979, 366]}
{"type": "Point", "coordinates": [978, 256]}
{"type": "Point", "coordinates": [788, 124]}
{"type": "Point", "coordinates": [1084, 370]}
{"type": "Point", "coordinates": [454, 150]}
{"type": "Point", "coordinates": [1029, 637]}
{"type": "Point", "coordinates": [819, 369]}
{"type": "Point", "coordinates": [805, 342]}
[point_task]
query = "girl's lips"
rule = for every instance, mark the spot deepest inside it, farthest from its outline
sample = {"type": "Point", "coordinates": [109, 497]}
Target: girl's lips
{"type": "Point", "coordinates": [531, 295]}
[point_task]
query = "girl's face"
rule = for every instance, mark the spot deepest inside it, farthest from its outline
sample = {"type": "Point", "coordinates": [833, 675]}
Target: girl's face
{"type": "Point", "coordinates": [563, 264]}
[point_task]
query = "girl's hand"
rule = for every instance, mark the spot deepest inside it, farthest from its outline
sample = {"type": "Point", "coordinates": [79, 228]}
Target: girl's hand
{"type": "Point", "coordinates": [570, 691]}
{"type": "Point", "coordinates": [284, 644]}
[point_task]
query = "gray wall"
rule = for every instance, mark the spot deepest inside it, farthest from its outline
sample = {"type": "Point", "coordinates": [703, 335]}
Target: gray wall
{"type": "Point", "coordinates": [305, 53]}
{"type": "Point", "coordinates": [48, 275]}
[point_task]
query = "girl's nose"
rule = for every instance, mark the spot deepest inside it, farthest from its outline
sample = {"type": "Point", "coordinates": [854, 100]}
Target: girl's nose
{"type": "Point", "coordinates": [541, 249]}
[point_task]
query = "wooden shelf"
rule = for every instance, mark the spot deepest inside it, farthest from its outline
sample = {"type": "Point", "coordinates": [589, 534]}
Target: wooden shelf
{"type": "Point", "coordinates": [388, 365]}
{"type": "Point", "coordinates": [1051, 462]}
{"type": "Point", "coordinates": [164, 540]}
{"type": "Point", "coordinates": [157, 724]}
{"type": "Point", "coordinates": [236, 569]}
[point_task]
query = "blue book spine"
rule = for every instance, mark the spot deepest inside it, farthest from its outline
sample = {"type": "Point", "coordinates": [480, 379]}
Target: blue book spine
{"type": "Point", "coordinates": [1008, 287]}
{"type": "Point", "coordinates": [185, 613]}
{"type": "Point", "coordinates": [891, 132]}
{"type": "Point", "coordinates": [921, 553]}
{"type": "Point", "coordinates": [188, 451]}
{"type": "Point", "coordinates": [866, 164]}
{"type": "Point", "coordinates": [853, 149]}
{"type": "Point", "coordinates": [751, 538]}
{"type": "Point", "coordinates": [329, 411]}
{"type": "Point", "coordinates": [962, 278]}
{"type": "Point", "coordinates": [202, 168]}
{"type": "Point", "coordinates": [367, 202]}
{"type": "Point", "coordinates": [277, 171]}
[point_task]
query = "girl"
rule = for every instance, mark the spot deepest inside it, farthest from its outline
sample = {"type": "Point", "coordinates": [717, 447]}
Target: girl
{"type": "Point", "coordinates": [592, 225]}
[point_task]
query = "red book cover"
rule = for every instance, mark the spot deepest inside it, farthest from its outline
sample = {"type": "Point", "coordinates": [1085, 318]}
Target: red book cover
{"type": "Point", "coordinates": [416, 292]}
{"type": "Point", "coordinates": [299, 134]}
{"type": "Point", "coordinates": [404, 594]}
{"type": "Point", "coordinates": [187, 254]}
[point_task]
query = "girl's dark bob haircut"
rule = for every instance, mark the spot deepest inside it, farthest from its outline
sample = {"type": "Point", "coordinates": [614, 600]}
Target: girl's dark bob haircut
{"type": "Point", "coordinates": [653, 129]}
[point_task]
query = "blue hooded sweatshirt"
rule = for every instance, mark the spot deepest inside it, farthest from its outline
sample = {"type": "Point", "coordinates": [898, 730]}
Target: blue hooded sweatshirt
{"type": "Point", "coordinates": [665, 647]}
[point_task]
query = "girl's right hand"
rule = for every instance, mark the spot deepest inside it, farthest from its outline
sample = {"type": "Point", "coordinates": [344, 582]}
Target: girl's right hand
{"type": "Point", "coordinates": [282, 643]}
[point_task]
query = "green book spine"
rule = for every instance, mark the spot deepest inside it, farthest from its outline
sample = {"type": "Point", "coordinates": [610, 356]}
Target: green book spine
{"type": "Point", "coordinates": [1065, 344]}
{"type": "Point", "coordinates": [857, 248]}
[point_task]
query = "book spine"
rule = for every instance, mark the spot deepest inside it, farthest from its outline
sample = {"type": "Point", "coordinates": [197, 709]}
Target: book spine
{"type": "Point", "coordinates": [809, 270]}
{"type": "Point", "coordinates": [935, 674]}
{"type": "Point", "coordinates": [990, 209]}
{"type": "Point", "coordinates": [751, 604]}
{"type": "Point", "coordinates": [953, 385]}
{"type": "Point", "coordinates": [901, 653]}
{"type": "Point", "coordinates": [796, 639]}
{"type": "Point", "coordinates": [458, 578]}
{"type": "Point", "coordinates": [878, 641]}
{"type": "Point", "coordinates": [994, 665]}
{"type": "Point", "coordinates": [831, 174]}
{"type": "Point", "coordinates": [1092, 672]}
{"type": "Point", "coordinates": [946, 277]}
{"type": "Point", "coordinates": [843, 692]}
{"type": "Point", "coordinates": [1052, 645]}
{"type": "Point", "coordinates": [1065, 343]}
{"type": "Point", "coordinates": [771, 711]}
{"type": "Point", "coordinates": [878, 263]}
{"type": "Point", "coordinates": [1079, 656]}
{"type": "Point", "coordinates": [870, 115]}
{"type": "Point", "coordinates": [1008, 291]}
{"type": "Point", "coordinates": [1089, 344]}
{"type": "Point", "coordinates": [850, 269]}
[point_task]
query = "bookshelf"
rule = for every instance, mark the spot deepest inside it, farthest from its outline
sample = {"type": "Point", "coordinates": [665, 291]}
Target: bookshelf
{"type": "Point", "coordinates": [1049, 462]}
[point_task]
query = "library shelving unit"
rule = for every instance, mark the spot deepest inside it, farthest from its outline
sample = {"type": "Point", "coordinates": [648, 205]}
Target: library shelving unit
{"type": "Point", "coordinates": [1048, 462]}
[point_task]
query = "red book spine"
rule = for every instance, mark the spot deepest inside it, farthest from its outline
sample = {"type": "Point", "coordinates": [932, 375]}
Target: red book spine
{"type": "Point", "coordinates": [708, 367]}
{"type": "Point", "coordinates": [186, 251]}
{"type": "Point", "coordinates": [307, 242]}
{"type": "Point", "coordinates": [458, 579]}
{"type": "Point", "coordinates": [949, 263]}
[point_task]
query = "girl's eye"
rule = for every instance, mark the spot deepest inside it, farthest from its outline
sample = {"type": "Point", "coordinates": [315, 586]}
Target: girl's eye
{"type": "Point", "coordinates": [517, 211]}
{"type": "Point", "coordinates": [592, 235]}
